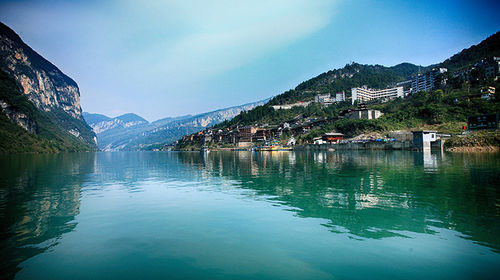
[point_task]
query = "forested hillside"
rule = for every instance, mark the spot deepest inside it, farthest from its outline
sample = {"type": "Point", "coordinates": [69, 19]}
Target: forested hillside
{"type": "Point", "coordinates": [445, 108]}
{"type": "Point", "coordinates": [487, 48]}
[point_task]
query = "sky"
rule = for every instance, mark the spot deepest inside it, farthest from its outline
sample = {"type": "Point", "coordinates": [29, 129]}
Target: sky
{"type": "Point", "coordinates": [170, 58]}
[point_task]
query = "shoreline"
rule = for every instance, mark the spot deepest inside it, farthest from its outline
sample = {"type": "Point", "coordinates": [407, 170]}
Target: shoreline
{"type": "Point", "coordinates": [474, 149]}
{"type": "Point", "coordinates": [376, 147]}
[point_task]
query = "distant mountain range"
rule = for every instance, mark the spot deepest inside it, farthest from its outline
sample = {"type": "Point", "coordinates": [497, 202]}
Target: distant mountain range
{"type": "Point", "coordinates": [132, 132]}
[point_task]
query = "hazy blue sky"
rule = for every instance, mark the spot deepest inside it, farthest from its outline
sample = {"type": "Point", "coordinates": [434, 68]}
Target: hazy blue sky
{"type": "Point", "coordinates": [166, 58]}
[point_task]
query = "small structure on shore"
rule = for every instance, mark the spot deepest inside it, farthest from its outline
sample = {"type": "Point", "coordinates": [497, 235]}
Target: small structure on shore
{"type": "Point", "coordinates": [423, 139]}
{"type": "Point", "coordinates": [332, 137]}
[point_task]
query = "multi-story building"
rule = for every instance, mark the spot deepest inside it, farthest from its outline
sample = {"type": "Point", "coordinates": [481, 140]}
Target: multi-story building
{"type": "Point", "coordinates": [364, 94]}
{"type": "Point", "coordinates": [427, 81]}
{"type": "Point", "coordinates": [246, 133]}
{"type": "Point", "coordinates": [340, 96]}
{"type": "Point", "coordinates": [407, 90]}
{"type": "Point", "coordinates": [328, 99]}
{"type": "Point", "coordinates": [323, 99]}
{"type": "Point", "coordinates": [490, 65]}
{"type": "Point", "coordinates": [365, 114]}
{"type": "Point", "coordinates": [261, 135]}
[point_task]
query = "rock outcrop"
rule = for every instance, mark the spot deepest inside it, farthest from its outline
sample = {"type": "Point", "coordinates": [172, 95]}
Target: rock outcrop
{"type": "Point", "coordinates": [18, 117]}
{"type": "Point", "coordinates": [42, 82]}
{"type": "Point", "coordinates": [49, 89]}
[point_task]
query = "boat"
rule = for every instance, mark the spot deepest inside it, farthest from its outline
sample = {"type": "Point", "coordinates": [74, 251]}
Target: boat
{"type": "Point", "coordinates": [272, 147]}
{"type": "Point", "coordinates": [205, 150]}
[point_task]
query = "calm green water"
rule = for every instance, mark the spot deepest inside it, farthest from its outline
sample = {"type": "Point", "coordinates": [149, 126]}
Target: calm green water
{"type": "Point", "coordinates": [168, 215]}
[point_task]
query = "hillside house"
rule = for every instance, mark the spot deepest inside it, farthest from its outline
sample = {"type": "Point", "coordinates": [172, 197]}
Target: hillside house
{"type": "Point", "coordinates": [332, 137]}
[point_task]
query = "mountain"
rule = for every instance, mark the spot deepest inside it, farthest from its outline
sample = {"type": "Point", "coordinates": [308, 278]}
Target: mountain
{"type": "Point", "coordinates": [337, 80]}
{"type": "Point", "coordinates": [487, 48]}
{"type": "Point", "coordinates": [343, 79]}
{"type": "Point", "coordinates": [378, 76]}
{"type": "Point", "coordinates": [132, 132]}
{"type": "Point", "coordinates": [131, 119]}
{"type": "Point", "coordinates": [164, 121]}
{"type": "Point", "coordinates": [101, 123]}
{"type": "Point", "coordinates": [172, 131]}
{"type": "Point", "coordinates": [355, 75]}
{"type": "Point", "coordinates": [94, 118]}
{"type": "Point", "coordinates": [445, 108]}
{"type": "Point", "coordinates": [40, 99]}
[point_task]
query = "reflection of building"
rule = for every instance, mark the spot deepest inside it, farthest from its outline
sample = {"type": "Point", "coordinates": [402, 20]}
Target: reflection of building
{"type": "Point", "coordinates": [364, 94]}
{"type": "Point", "coordinates": [430, 161]}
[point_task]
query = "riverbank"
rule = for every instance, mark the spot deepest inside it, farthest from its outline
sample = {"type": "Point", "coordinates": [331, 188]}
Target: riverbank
{"type": "Point", "coordinates": [479, 141]}
{"type": "Point", "coordinates": [372, 145]}
{"type": "Point", "coordinates": [480, 149]}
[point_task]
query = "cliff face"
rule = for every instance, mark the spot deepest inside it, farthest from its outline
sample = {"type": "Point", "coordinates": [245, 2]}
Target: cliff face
{"type": "Point", "coordinates": [42, 82]}
{"type": "Point", "coordinates": [44, 85]}
{"type": "Point", "coordinates": [18, 117]}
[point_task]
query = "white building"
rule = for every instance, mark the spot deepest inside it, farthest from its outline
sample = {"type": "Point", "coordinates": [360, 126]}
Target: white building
{"type": "Point", "coordinates": [422, 139]}
{"type": "Point", "coordinates": [367, 114]}
{"type": "Point", "coordinates": [340, 96]}
{"type": "Point", "coordinates": [323, 99]}
{"type": "Point", "coordinates": [328, 99]}
{"type": "Point", "coordinates": [290, 106]}
{"type": "Point", "coordinates": [364, 94]}
{"type": "Point", "coordinates": [406, 87]}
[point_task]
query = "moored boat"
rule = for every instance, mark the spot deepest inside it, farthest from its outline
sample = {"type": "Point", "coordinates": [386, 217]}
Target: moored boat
{"type": "Point", "coordinates": [273, 147]}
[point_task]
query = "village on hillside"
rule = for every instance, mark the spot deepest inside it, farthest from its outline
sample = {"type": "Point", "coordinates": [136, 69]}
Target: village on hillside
{"type": "Point", "coordinates": [286, 133]}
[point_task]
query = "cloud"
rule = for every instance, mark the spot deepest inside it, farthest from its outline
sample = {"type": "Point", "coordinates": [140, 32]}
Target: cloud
{"type": "Point", "coordinates": [222, 35]}
{"type": "Point", "coordinates": [153, 49]}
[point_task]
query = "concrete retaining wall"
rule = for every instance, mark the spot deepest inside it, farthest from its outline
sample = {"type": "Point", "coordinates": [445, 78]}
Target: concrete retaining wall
{"type": "Point", "coordinates": [357, 146]}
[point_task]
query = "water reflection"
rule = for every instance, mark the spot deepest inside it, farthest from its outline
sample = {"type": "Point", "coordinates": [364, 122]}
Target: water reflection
{"type": "Point", "coordinates": [364, 195]}
{"type": "Point", "coordinates": [373, 194]}
{"type": "Point", "coordinates": [39, 199]}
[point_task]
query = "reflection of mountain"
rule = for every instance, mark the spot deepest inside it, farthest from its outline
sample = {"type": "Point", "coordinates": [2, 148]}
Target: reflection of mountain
{"type": "Point", "coordinates": [39, 204]}
{"type": "Point", "coordinates": [371, 194]}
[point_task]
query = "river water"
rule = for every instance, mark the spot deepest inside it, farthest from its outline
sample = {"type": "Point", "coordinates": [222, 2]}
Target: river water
{"type": "Point", "coordinates": [247, 215]}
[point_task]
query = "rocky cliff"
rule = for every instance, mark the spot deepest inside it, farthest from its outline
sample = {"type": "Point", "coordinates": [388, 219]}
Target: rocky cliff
{"type": "Point", "coordinates": [42, 82]}
{"type": "Point", "coordinates": [54, 94]}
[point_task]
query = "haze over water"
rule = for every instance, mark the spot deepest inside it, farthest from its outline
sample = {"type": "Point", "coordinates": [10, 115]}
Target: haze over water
{"type": "Point", "coordinates": [287, 215]}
